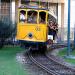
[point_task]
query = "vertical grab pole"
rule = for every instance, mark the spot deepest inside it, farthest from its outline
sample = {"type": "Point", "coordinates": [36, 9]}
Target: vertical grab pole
{"type": "Point", "coordinates": [68, 35]}
{"type": "Point", "coordinates": [39, 3]}
{"type": "Point", "coordinates": [30, 1]}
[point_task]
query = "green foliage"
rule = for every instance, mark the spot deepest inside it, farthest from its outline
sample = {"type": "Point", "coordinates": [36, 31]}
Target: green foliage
{"type": "Point", "coordinates": [7, 29]}
{"type": "Point", "coordinates": [64, 52]}
{"type": "Point", "coordinates": [8, 63]}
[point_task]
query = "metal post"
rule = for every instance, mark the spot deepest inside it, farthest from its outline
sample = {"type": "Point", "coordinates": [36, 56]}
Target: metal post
{"type": "Point", "coordinates": [0, 9]}
{"type": "Point", "coordinates": [39, 3]}
{"type": "Point", "coordinates": [68, 35]}
{"type": "Point", "coordinates": [74, 36]}
{"type": "Point", "coordinates": [12, 9]}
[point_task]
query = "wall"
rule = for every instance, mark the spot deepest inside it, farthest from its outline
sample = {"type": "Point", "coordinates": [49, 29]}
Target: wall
{"type": "Point", "coordinates": [4, 9]}
{"type": "Point", "coordinates": [56, 1]}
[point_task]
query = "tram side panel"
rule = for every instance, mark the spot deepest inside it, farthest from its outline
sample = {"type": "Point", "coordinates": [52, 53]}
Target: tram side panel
{"type": "Point", "coordinates": [32, 32]}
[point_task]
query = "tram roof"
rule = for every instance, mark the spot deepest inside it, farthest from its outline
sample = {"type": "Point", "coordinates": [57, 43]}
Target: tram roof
{"type": "Point", "coordinates": [32, 7]}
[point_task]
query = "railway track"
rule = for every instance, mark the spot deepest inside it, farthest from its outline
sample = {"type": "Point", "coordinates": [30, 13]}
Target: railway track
{"type": "Point", "coordinates": [41, 65]}
{"type": "Point", "coordinates": [50, 64]}
{"type": "Point", "coordinates": [60, 66]}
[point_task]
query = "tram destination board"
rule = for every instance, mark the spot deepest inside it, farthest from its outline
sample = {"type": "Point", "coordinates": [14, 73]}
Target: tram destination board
{"type": "Point", "coordinates": [36, 0]}
{"type": "Point", "coordinates": [53, 1]}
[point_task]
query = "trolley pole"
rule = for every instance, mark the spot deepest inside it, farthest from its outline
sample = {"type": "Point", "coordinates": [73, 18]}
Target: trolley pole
{"type": "Point", "coordinates": [68, 35]}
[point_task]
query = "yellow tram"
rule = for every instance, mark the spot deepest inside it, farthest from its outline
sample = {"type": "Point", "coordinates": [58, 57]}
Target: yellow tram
{"type": "Point", "coordinates": [32, 27]}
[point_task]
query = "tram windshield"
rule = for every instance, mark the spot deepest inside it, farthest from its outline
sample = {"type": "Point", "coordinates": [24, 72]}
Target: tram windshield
{"type": "Point", "coordinates": [32, 17]}
{"type": "Point", "coordinates": [22, 16]}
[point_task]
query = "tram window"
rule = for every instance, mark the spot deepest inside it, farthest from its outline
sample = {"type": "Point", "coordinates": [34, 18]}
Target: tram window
{"type": "Point", "coordinates": [42, 17]}
{"type": "Point", "coordinates": [32, 17]}
{"type": "Point", "coordinates": [22, 16]}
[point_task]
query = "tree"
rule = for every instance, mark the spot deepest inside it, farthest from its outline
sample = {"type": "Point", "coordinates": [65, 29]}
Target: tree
{"type": "Point", "coordinates": [6, 29]}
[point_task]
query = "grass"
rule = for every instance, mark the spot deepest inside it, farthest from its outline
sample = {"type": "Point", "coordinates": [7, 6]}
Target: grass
{"type": "Point", "coordinates": [64, 52]}
{"type": "Point", "coordinates": [8, 63]}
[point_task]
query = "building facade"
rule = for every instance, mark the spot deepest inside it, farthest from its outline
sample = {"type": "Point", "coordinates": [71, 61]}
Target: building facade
{"type": "Point", "coordinates": [4, 8]}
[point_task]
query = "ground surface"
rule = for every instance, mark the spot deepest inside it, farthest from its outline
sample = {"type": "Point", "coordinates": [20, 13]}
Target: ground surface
{"type": "Point", "coordinates": [13, 61]}
{"type": "Point", "coordinates": [64, 52]}
{"type": "Point", "coordinates": [8, 62]}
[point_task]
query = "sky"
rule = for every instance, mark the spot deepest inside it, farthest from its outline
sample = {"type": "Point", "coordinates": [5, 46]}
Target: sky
{"type": "Point", "coordinates": [73, 13]}
{"type": "Point", "coordinates": [72, 19]}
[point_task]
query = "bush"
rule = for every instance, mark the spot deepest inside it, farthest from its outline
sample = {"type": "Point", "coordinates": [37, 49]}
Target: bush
{"type": "Point", "coordinates": [7, 29]}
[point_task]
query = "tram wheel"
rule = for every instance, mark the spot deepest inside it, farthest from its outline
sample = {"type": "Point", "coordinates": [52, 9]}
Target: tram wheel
{"type": "Point", "coordinates": [42, 48]}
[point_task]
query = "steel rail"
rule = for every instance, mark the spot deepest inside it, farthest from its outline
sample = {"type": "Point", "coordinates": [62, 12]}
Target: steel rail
{"type": "Point", "coordinates": [49, 69]}
{"type": "Point", "coordinates": [58, 62]}
{"type": "Point", "coordinates": [41, 66]}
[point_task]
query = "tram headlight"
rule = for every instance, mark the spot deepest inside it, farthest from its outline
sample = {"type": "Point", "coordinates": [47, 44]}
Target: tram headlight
{"type": "Point", "coordinates": [30, 35]}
